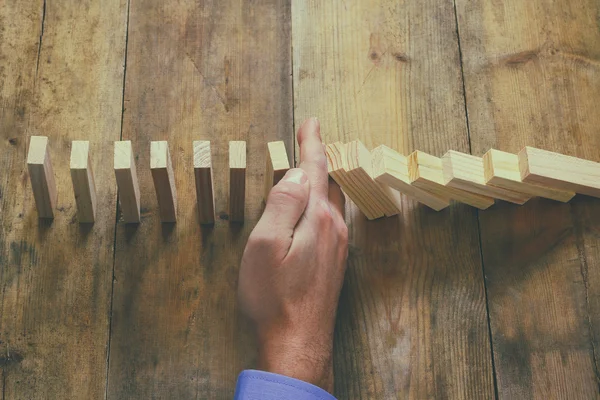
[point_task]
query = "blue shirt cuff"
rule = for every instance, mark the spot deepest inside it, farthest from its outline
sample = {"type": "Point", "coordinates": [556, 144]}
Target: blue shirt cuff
{"type": "Point", "coordinates": [260, 385]}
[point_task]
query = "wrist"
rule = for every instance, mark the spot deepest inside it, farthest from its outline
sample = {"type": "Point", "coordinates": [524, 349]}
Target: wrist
{"type": "Point", "coordinates": [298, 356]}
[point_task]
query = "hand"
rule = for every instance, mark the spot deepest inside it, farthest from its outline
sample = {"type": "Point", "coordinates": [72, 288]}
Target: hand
{"type": "Point", "coordinates": [293, 268]}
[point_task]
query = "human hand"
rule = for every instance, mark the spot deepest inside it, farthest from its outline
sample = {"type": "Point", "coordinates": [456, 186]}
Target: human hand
{"type": "Point", "coordinates": [293, 268]}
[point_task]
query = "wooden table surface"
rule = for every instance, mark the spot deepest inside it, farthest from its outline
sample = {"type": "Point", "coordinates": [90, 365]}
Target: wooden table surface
{"type": "Point", "coordinates": [503, 303]}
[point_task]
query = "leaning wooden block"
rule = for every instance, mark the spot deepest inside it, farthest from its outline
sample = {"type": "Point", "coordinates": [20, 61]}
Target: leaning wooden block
{"type": "Point", "coordinates": [391, 169]}
{"type": "Point", "coordinates": [127, 181]}
{"type": "Point", "coordinates": [82, 176]}
{"type": "Point", "coordinates": [277, 165]}
{"type": "Point", "coordinates": [559, 171]}
{"type": "Point", "coordinates": [337, 165]}
{"type": "Point", "coordinates": [466, 172]}
{"type": "Point", "coordinates": [502, 170]}
{"type": "Point", "coordinates": [426, 172]}
{"type": "Point", "coordinates": [204, 181]}
{"type": "Point", "coordinates": [164, 180]}
{"type": "Point", "coordinates": [360, 171]}
{"type": "Point", "coordinates": [41, 176]}
{"type": "Point", "coordinates": [237, 180]}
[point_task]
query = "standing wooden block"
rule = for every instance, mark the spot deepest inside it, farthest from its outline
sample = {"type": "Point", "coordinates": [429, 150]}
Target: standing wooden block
{"type": "Point", "coordinates": [277, 165]}
{"type": "Point", "coordinates": [426, 172]}
{"type": "Point", "coordinates": [559, 171]}
{"type": "Point", "coordinates": [127, 181]}
{"type": "Point", "coordinates": [502, 170]}
{"type": "Point", "coordinates": [164, 180]}
{"type": "Point", "coordinates": [204, 181]}
{"type": "Point", "coordinates": [83, 181]}
{"type": "Point", "coordinates": [360, 170]}
{"type": "Point", "coordinates": [391, 169]}
{"type": "Point", "coordinates": [42, 176]}
{"type": "Point", "coordinates": [237, 180]}
{"type": "Point", "coordinates": [466, 172]}
{"type": "Point", "coordinates": [337, 165]}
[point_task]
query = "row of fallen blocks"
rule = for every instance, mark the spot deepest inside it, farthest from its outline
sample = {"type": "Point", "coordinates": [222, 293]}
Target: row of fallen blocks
{"type": "Point", "coordinates": [368, 178]}
{"type": "Point", "coordinates": [45, 194]}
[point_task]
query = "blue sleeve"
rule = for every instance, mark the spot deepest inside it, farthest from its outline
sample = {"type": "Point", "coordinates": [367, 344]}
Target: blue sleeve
{"type": "Point", "coordinates": [260, 385]}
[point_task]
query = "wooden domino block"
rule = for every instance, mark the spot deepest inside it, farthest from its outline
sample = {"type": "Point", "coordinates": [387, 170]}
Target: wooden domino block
{"type": "Point", "coordinates": [127, 181]}
{"type": "Point", "coordinates": [502, 170]}
{"type": "Point", "coordinates": [42, 176]}
{"type": "Point", "coordinates": [203, 175]}
{"type": "Point", "coordinates": [337, 165]}
{"type": "Point", "coordinates": [360, 170]}
{"type": "Point", "coordinates": [391, 169]}
{"type": "Point", "coordinates": [164, 180]}
{"type": "Point", "coordinates": [426, 172]}
{"type": "Point", "coordinates": [466, 172]}
{"type": "Point", "coordinates": [277, 165]}
{"type": "Point", "coordinates": [82, 176]}
{"type": "Point", "coordinates": [559, 171]}
{"type": "Point", "coordinates": [237, 180]}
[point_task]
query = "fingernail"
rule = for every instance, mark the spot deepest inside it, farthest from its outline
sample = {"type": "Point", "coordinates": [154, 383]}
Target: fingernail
{"type": "Point", "coordinates": [295, 175]}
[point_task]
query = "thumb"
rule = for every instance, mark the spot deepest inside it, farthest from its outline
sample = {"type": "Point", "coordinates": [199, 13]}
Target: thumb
{"type": "Point", "coordinates": [286, 203]}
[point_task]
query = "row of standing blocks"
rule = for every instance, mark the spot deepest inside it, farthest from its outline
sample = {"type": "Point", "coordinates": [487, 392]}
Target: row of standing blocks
{"type": "Point", "coordinates": [45, 193]}
{"type": "Point", "coordinates": [368, 178]}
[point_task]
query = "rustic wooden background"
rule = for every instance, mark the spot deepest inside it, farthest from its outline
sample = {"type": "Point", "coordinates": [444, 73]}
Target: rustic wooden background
{"type": "Point", "coordinates": [503, 303]}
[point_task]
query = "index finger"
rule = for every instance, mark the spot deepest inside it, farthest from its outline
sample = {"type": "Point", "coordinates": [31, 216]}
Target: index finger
{"type": "Point", "coordinates": [312, 157]}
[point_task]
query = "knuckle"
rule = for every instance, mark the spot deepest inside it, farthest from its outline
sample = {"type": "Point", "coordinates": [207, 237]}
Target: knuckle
{"type": "Point", "coordinates": [285, 192]}
{"type": "Point", "coordinates": [261, 239]}
{"type": "Point", "coordinates": [323, 213]}
{"type": "Point", "coordinates": [342, 232]}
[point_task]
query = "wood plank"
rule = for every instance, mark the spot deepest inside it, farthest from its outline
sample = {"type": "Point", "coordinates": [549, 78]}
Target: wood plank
{"type": "Point", "coordinates": [61, 76]}
{"type": "Point", "coordinates": [276, 166]}
{"type": "Point", "coordinates": [502, 170]}
{"type": "Point", "coordinates": [127, 181]}
{"type": "Point", "coordinates": [82, 175]}
{"type": "Point", "coordinates": [216, 71]}
{"type": "Point", "coordinates": [466, 172]}
{"type": "Point", "coordinates": [164, 180]}
{"type": "Point", "coordinates": [391, 169]}
{"type": "Point", "coordinates": [41, 176]}
{"type": "Point", "coordinates": [427, 172]}
{"type": "Point", "coordinates": [360, 170]}
{"type": "Point", "coordinates": [337, 165]}
{"type": "Point", "coordinates": [237, 180]}
{"type": "Point", "coordinates": [203, 176]}
{"type": "Point", "coordinates": [412, 321]}
{"type": "Point", "coordinates": [559, 171]}
{"type": "Point", "coordinates": [532, 79]}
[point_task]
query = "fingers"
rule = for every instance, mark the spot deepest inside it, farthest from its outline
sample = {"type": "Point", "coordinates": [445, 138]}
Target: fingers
{"type": "Point", "coordinates": [312, 157]}
{"type": "Point", "coordinates": [336, 198]}
{"type": "Point", "coordinates": [286, 203]}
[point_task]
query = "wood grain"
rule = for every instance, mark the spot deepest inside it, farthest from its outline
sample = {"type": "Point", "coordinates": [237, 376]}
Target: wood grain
{"type": "Point", "coordinates": [196, 70]}
{"type": "Point", "coordinates": [532, 77]}
{"type": "Point", "coordinates": [412, 320]}
{"type": "Point", "coordinates": [61, 75]}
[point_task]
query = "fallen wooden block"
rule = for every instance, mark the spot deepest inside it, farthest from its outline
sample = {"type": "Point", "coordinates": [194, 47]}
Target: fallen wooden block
{"type": "Point", "coordinates": [164, 180]}
{"type": "Point", "coordinates": [559, 171]}
{"type": "Point", "coordinates": [41, 176]}
{"type": "Point", "coordinates": [82, 176]}
{"type": "Point", "coordinates": [391, 169]}
{"type": "Point", "coordinates": [426, 172]}
{"type": "Point", "coordinates": [466, 172]}
{"type": "Point", "coordinates": [237, 180]}
{"type": "Point", "coordinates": [337, 165]}
{"type": "Point", "coordinates": [204, 181]}
{"type": "Point", "coordinates": [127, 181]}
{"type": "Point", "coordinates": [360, 170]}
{"type": "Point", "coordinates": [502, 170]}
{"type": "Point", "coordinates": [277, 165]}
